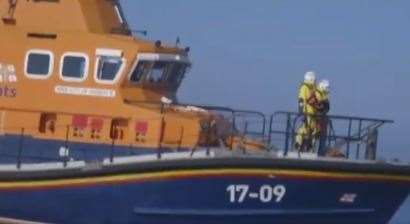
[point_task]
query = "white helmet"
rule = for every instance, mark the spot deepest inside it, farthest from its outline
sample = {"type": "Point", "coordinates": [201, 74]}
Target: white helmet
{"type": "Point", "coordinates": [166, 100]}
{"type": "Point", "coordinates": [324, 85]}
{"type": "Point", "coordinates": [310, 77]}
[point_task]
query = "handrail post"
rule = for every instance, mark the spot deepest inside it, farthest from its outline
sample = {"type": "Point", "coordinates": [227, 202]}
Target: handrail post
{"type": "Point", "coordinates": [162, 108]}
{"type": "Point", "coordinates": [331, 133]}
{"type": "Point", "coordinates": [270, 130]}
{"type": "Point", "coordinates": [232, 130]}
{"type": "Point", "coordinates": [20, 149]}
{"type": "Point", "coordinates": [349, 133]}
{"type": "Point", "coordinates": [161, 138]}
{"type": "Point", "coordinates": [208, 138]}
{"type": "Point", "coordinates": [264, 127]}
{"type": "Point", "coordinates": [287, 134]}
{"type": "Point", "coordinates": [358, 143]}
{"type": "Point", "coordinates": [159, 153]}
{"type": "Point", "coordinates": [245, 132]}
{"type": "Point", "coordinates": [66, 146]}
{"type": "Point", "coordinates": [112, 150]}
{"type": "Point", "coordinates": [193, 150]}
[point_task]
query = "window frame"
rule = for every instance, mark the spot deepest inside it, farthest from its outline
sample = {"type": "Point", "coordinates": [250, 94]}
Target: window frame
{"type": "Point", "coordinates": [117, 76]}
{"type": "Point", "coordinates": [86, 69]}
{"type": "Point", "coordinates": [154, 58]}
{"type": "Point", "coordinates": [51, 64]}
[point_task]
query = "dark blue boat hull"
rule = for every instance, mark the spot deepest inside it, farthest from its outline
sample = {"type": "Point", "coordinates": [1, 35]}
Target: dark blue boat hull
{"type": "Point", "coordinates": [202, 196]}
{"type": "Point", "coordinates": [190, 191]}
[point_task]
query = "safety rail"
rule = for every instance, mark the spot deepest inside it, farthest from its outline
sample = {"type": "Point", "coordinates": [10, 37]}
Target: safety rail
{"type": "Point", "coordinates": [27, 145]}
{"type": "Point", "coordinates": [19, 146]}
{"type": "Point", "coordinates": [244, 122]}
{"type": "Point", "coordinates": [341, 132]}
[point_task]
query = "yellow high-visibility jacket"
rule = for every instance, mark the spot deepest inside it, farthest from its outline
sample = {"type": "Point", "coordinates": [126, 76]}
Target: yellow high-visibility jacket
{"type": "Point", "coordinates": [307, 99]}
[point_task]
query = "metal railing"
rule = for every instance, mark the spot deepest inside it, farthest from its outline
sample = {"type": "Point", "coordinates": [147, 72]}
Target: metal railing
{"type": "Point", "coordinates": [341, 132]}
{"type": "Point", "coordinates": [245, 122]}
{"type": "Point", "coordinates": [27, 146]}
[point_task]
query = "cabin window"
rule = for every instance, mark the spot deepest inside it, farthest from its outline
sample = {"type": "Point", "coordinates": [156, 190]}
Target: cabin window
{"type": "Point", "coordinates": [170, 73]}
{"type": "Point", "coordinates": [176, 74]}
{"type": "Point", "coordinates": [108, 68]}
{"type": "Point", "coordinates": [39, 64]}
{"type": "Point", "coordinates": [142, 68]}
{"type": "Point", "coordinates": [158, 72]}
{"type": "Point", "coordinates": [74, 67]}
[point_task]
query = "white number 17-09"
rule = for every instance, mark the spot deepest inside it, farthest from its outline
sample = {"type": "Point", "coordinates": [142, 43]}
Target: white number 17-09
{"type": "Point", "coordinates": [266, 193]}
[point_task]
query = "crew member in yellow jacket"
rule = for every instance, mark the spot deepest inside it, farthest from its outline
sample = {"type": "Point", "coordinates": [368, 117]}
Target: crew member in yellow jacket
{"type": "Point", "coordinates": [322, 107]}
{"type": "Point", "coordinates": [307, 107]}
{"type": "Point", "coordinates": [322, 97]}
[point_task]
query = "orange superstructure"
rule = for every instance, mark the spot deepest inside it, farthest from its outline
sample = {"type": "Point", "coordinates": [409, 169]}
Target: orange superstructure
{"type": "Point", "coordinates": [93, 16]}
{"type": "Point", "coordinates": [94, 107]}
{"type": "Point", "coordinates": [72, 69]}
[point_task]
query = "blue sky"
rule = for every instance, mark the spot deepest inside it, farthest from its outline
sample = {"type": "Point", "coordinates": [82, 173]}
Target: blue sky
{"type": "Point", "coordinates": [253, 54]}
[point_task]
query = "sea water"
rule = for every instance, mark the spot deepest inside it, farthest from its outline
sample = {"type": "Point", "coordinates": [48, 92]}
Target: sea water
{"type": "Point", "coordinates": [403, 215]}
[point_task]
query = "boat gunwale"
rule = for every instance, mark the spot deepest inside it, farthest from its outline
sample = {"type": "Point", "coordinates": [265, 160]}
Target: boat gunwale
{"type": "Point", "coordinates": [321, 167]}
